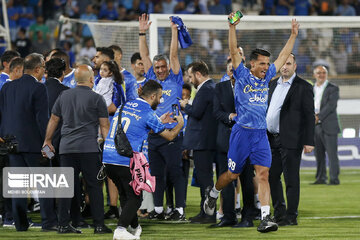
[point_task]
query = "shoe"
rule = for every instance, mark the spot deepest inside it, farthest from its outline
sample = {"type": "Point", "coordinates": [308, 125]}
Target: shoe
{"type": "Point", "coordinates": [135, 231]}
{"type": "Point", "coordinates": [1, 220]}
{"type": "Point", "coordinates": [219, 216]}
{"type": "Point", "coordinates": [334, 182]}
{"type": "Point", "coordinates": [224, 223]}
{"type": "Point", "coordinates": [156, 216]}
{"type": "Point", "coordinates": [195, 217]}
{"type": "Point", "coordinates": [169, 211]}
{"type": "Point", "coordinates": [267, 225]}
{"type": "Point", "coordinates": [244, 223]}
{"type": "Point", "coordinates": [209, 203]}
{"type": "Point", "coordinates": [68, 229]}
{"type": "Point", "coordinates": [112, 213]}
{"type": "Point", "coordinates": [34, 207]}
{"type": "Point", "coordinates": [9, 222]}
{"type": "Point", "coordinates": [102, 230]}
{"type": "Point", "coordinates": [319, 182]}
{"type": "Point", "coordinates": [257, 214]}
{"type": "Point", "coordinates": [50, 229]}
{"type": "Point", "coordinates": [287, 222]}
{"type": "Point", "coordinates": [238, 212]}
{"type": "Point", "coordinates": [176, 216]}
{"type": "Point", "coordinates": [121, 233]}
{"type": "Point", "coordinates": [33, 224]}
{"type": "Point", "coordinates": [82, 224]}
{"type": "Point", "coordinates": [205, 219]}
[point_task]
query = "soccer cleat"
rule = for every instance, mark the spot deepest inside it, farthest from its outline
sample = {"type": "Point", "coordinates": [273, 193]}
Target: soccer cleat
{"type": "Point", "coordinates": [176, 216]}
{"type": "Point", "coordinates": [267, 225]}
{"type": "Point", "coordinates": [156, 216]}
{"type": "Point", "coordinates": [121, 233]}
{"type": "Point", "coordinates": [135, 231]}
{"type": "Point", "coordinates": [209, 203]}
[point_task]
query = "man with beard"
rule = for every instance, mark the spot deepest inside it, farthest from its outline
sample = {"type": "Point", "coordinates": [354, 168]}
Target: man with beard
{"type": "Point", "coordinates": [201, 131]}
{"type": "Point", "coordinates": [138, 118]}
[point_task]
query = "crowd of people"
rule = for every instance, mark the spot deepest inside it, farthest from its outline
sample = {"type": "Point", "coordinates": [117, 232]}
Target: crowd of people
{"type": "Point", "coordinates": [245, 124]}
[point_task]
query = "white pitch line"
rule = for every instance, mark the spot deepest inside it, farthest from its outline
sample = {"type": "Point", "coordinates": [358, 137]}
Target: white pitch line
{"type": "Point", "coordinates": [335, 217]}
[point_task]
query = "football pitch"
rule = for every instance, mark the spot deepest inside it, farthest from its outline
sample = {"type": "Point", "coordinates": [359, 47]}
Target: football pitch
{"type": "Point", "coordinates": [325, 212]}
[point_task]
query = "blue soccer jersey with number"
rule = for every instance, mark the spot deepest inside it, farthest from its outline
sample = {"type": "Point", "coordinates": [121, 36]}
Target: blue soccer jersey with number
{"type": "Point", "coordinates": [251, 95]}
{"type": "Point", "coordinates": [137, 120]}
{"type": "Point", "coordinates": [172, 89]}
{"type": "Point", "coordinates": [69, 79]}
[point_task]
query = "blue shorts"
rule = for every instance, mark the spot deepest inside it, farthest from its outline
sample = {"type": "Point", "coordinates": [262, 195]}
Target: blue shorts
{"type": "Point", "coordinates": [244, 143]}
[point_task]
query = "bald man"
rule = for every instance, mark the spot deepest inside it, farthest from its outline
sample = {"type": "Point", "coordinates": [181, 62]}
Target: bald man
{"type": "Point", "coordinates": [82, 111]}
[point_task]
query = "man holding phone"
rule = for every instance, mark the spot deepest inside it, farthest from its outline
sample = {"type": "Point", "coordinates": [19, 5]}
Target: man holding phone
{"type": "Point", "coordinates": [248, 136]}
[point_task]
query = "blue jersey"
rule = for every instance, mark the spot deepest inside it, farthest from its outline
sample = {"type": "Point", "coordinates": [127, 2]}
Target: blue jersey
{"type": "Point", "coordinates": [140, 83]}
{"type": "Point", "coordinates": [69, 80]}
{"type": "Point", "coordinates": [137, 120]}
{"type": "Point", "coordinates": [225, 78]}
{"type": "Point", "coordinates": [130, 85]}
{"type": "Point", "coordinates": [172, 89]}
{"type": "Point", "coordinates": [251, 95]}
{"type": "Point", "coordinates": [3, 79]}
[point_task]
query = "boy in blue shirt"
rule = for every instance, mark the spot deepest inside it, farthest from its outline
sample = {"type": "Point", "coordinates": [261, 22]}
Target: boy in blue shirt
{"type": "Point", "coordinates": [248, 137]}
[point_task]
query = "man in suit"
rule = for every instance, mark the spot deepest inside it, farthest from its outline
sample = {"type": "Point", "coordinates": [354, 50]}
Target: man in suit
{"type": "Point", "coordinates": [201, 131]}
{"type": "Point", "coordinates": [290, 126]}
{"type": "Point", "coordinates": [326, 128]}
{"type": "Point", "coordinates": [27, 119]}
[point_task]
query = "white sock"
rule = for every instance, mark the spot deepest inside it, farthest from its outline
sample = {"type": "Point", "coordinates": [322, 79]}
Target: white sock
{"type": "Point", "coordinates": [159, 210]}
{"type": "Point", "coordinates": [214, 192]}
{"type": "Point", "coordinates": [237, 205]}
{"type": "Point", "coordinates": [168, 210]}
{"type": "Point", "coordinates": [180, 210]}
{"type": "Point", "coordinates": [265, 210]}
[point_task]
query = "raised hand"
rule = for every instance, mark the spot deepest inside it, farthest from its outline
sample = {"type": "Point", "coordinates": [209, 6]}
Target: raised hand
{"type": "Point", "coordinates": [172, 25]}
{"type": "Point", "coordinates": [235, 23]}
{"type": "Point", "coordinates": [295, 27]}
{"type": "Point", "coordinates": [144, 23]}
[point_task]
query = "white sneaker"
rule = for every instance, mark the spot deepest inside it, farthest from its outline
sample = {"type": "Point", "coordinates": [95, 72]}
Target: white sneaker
{"type": "Point", "coordinates": [121, 233]}
{"type": "Point", "coordinates": [135, 231]}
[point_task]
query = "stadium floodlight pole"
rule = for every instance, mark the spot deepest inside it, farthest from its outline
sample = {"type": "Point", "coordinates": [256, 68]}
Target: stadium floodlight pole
{"type": "Point", "coordinates": [153, 37]}
{"type": "Point", "coordinates": [6, 30]}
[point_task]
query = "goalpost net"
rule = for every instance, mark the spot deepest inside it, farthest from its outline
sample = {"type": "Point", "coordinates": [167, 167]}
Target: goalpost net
{"type": "Point", "coordinates": [330, 41]}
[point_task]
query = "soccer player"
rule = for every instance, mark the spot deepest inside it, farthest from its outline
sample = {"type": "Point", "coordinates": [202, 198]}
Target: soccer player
{"type": "Point", "coordinates": [138, 67]}
{"type": "Point", "coordinates": [248, 137]}
{"type": "Point", "coordinates": [5, 62]}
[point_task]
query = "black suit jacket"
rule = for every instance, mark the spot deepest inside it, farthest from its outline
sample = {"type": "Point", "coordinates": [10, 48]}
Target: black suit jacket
{"type": "Point", "coordinates": [24, 112]}
{"type": "Point", "coordinates": [297, 116]}
{"type": "Point", "coordinates": [54, 88]}
{"type": "Point", "coordinates": [201, 125]}
{"type": "Point", "coordinates": [328, 105]}
{"type": "Point", "coordinates": [224, 105]}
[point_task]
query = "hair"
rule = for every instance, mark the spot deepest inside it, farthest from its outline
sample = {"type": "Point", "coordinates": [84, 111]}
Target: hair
{"type": "Point", "coordinates": [8, 56]}
{"type": "Point", "coordinates": [293, 55]}
{"type": "Point", "coordinates": [199, 66]}
{"type": "Point", "coordinates": [116, 48]}
{"type": "Point", "coordinates": [319, 65]}
{"type": "Point", "coordinates": [32, 61]}
{"type": "Point", "coordinates": [83, 61]}
{"type": "Point", "coordinates": [228, 61]}
{"type": "Point", "coordinates": [259, 51]}
{"type": "Point", "coordinates": [160, 57]}
{"type": "Point", "coordinates": [150, 87]}
{"type": "Point", "coordinates": [16, 62]}
{"type": "Point", "coordinates": [55, 67]}
{"type": "Point", "coordinates": [23, 30]}
{"type": "Point", "coordinates": [114, 69]}
{"type": "Point", "coordinates": [63, 55]}
{"type": "Point", "coordinates": [106, 51]}
{"type": "Point", "coordinates": [136, 56]}
{"type": "Point", "coordinates": [187, 87]}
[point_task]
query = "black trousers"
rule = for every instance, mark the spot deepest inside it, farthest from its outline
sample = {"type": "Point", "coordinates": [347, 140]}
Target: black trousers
{"type": "Point", "coordinates": [19, 205]}
{"type": "Point", "coordinates": [247, 189]}
{"type": "Point", "coordinates": [131, 202]}
{"type": "Point", "coordinates": [89, 165]}
{"type": "Point", "coordinates": [228, 193]}
{"type": "Point", "coordinates": [5, 203]}
{"type": "Point", "coordinates": [165, 160]}
{"type": "Point", "coordinates": [203, 161]}
{"type": "Point", "coordinates": [286, 161]}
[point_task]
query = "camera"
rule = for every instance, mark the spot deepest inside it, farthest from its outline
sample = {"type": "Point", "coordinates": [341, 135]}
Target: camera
{"type": "Point", "coordinates": [10, 145]}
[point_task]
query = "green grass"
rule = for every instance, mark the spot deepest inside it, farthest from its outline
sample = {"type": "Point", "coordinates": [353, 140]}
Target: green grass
{"type": "Point", "coordinates": [325, 212]}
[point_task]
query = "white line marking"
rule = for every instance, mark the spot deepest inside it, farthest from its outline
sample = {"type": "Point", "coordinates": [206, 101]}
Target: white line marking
{"type": "Point", "coordinates": [334, 217]}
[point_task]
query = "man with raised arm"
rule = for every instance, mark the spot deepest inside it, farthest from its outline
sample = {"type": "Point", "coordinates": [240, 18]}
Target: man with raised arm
{"type": "Point", "coordinates": [248, 137]}
{"type": "Point", "coordinates": [165, 156]}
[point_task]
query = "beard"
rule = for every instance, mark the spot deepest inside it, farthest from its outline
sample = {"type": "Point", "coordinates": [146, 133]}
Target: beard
{"type": "Point", "coordinates": [154, 105]}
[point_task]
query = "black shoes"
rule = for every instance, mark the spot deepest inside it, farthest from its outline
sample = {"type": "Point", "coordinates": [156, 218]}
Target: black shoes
{"type": "Point", "coordinates": [244, 223]}
{"type": "Point", "coordinates": [224, 223]}
{"type": "Point", "coordinates": [82, 224]}
{"type": "Point", "coordinates": [102, 230]}
{"type": "Point", "coordinates": [156, 216]}
{"type": "Point", "coordinates": [68, 229]}
{"type": "Point", "coordinates": [203, 219]}
{"type": "Point", "coordinates": [287, 222]}
{"type": "Point", "coordinates": [209, 203]}
{"type": "Point", "coordinates": [176, 216]}
{"type": "Point", "coordinates": [334, 182]}
{"type": "Point", "coordinates": [319, 182]}
{"type": "Point", "coordinates": [267, 225]}
{"type": "Point", "coordinates": [50, 229]}
{"type": "Point", "coordinates": [113, 212]}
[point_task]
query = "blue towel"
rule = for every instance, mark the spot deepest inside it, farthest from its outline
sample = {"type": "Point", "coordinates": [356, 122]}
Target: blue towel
{"type": "Point", "coordinates": [183, 34]}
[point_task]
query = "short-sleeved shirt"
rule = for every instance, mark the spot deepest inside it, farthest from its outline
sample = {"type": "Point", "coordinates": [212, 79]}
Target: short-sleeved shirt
{"type": "Point", "coordinates": [137, 120]}
{"type": "Point", "coordinates": [80, 109]}
{"type": "Point", "coordinates": [3, 79]}
{"type": "Point", "coordinates": [69, 79]}
{"type": "Point", "coordinates": [172, 89]}
{"type": "Point", "coordinates": [251, 95]}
